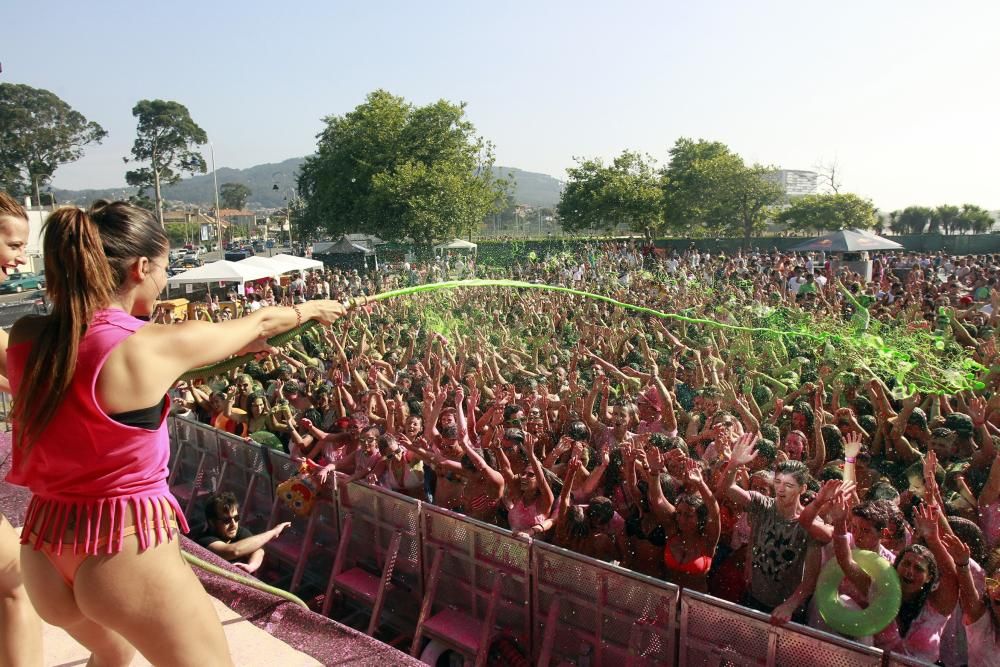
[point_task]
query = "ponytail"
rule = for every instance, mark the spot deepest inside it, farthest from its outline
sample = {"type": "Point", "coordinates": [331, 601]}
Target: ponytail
{"type": "Point", "coordinates": [79, 282]}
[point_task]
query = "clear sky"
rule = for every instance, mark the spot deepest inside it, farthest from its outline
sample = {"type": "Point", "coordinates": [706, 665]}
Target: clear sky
{"type": "Point", "coordinates": [903, 95]}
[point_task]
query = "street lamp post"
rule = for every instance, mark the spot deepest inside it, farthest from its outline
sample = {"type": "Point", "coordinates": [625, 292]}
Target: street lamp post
{"type": "Point", "coordinates": [218, 219]}
{"type": "Point", "coordinates": [290, 198]}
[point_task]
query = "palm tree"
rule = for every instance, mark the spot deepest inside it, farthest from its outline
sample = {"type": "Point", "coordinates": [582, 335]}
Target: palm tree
{"type": "Point", "coordinates": [895, 225]}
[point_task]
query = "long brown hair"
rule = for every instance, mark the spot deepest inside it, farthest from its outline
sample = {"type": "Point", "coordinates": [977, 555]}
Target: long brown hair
{"type": "Point", "coordinates": [87, 255]}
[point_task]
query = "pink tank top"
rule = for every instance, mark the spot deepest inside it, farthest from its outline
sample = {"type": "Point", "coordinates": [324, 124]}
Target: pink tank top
{"type": "Point", "coordinates": [84, 465]}
{"type": "Point", "coordinates": [522, 517]}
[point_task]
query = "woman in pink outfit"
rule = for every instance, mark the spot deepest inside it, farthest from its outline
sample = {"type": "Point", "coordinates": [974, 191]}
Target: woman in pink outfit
{"type": "Point", "coordinates": [99, 551]}
{"type": "Point", "coordinates": [20, 629]}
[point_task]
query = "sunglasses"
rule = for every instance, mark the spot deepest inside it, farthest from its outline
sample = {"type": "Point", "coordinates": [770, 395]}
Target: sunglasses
{"type": "Point", "coordinates": [230, 519]}
{"type": "Point", "coordinates": [516, 422]}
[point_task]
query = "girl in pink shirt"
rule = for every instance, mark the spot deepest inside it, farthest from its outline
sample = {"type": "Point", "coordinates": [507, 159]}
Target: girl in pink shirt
{"type": "Point", "coordinates": [100, 554]}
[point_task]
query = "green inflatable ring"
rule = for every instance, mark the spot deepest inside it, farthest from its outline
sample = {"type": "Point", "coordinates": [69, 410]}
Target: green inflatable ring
{"type": "Point", "coordinates": [883, 605]}
{"type": "Point", "coordinates": [267, 439]}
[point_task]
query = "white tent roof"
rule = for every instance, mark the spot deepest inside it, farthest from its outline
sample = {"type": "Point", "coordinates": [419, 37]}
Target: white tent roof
{"type": "Point", "coordinates": [299, 262]}
{"type": "Point", "coordinates": [274, 264]}
{"type": "Point", "coordinates": [456, 244]}
{"type": "Point", "coordinates": [221, 271]}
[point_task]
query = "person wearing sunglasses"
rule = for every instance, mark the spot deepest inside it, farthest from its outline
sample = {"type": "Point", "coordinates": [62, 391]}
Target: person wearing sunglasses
{"type": "Point", "coordinates": [225, 537]}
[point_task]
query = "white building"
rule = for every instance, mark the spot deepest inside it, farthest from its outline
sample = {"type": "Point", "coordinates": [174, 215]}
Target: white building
{"type": "Point", "coordinates": [797, 182]}
{"type": "Point", "coordinates": [36, 218]}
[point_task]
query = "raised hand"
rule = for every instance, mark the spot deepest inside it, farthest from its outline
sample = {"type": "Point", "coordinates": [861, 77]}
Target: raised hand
{"type": "Point", "coordinates": [957, 549]}
{"type": "Point", "coordinates": [852, 445]}
{"type": "Point", "coordinates": [745, 450]}
{"type": "Point", "coordinates": [977, 409]}
{"type": "Point", "coordinates": [849, 492]}
{"type": "Point", "coordinates": [838, 512]}
{"type": "Point", "coordinates": [818, 410]}
{"type": "Point", "coordinates": [655, 458]}
{"type": "Point", "coordinates": [693, 471]}
{"type": "Point", "coordinates": [926, 519]}
{"type": "Point", "coordinates": [828, 491]}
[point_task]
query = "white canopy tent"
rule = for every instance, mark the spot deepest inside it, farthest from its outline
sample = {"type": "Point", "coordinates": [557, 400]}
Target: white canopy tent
{"type": "Point", "coordinates": [300, 263]}
{"type": "Point", "coordinates": [221, 272]}
{"type": "Point", "coordinates": [276, 265]}
{"type": "Point", "coordinates": [456, 244]}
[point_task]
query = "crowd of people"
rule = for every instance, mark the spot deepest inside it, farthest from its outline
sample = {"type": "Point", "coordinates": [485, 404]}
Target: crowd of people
{"type": "Point", "coordinates": [710, 451]}
{"type": "Point", "coordinates": [713, 458]}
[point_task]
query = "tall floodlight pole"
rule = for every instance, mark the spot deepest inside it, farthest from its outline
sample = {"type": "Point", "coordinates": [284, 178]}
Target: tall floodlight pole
{"type": "Point", "coordinates": [215, 180]}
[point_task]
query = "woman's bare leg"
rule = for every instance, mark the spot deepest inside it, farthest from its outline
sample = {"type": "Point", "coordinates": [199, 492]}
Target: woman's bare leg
{"type": "Point", "coordinates": [55, 603]}
{"type": "Point", "coordinates": [155, 601]}
{"type": "Point", "coordinates": [20, 627]}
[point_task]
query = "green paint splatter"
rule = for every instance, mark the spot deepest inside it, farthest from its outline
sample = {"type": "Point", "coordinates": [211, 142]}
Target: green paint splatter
{"type": "Point", "coordinates": [910, 358]}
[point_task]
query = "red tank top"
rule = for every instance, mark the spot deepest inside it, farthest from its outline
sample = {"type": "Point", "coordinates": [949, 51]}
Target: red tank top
{"type": "Point", "coordinates": [694, 567]}
{"type": "Point", "coordinates": [85, 465]}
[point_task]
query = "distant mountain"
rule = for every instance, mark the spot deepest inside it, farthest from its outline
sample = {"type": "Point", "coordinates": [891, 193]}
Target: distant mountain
{"type": "Point", "coordinates": [531, 189]}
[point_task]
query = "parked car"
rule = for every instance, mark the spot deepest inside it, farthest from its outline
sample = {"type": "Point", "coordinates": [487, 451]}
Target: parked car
{"type": "Point", "coordinates": [19, 282]}
{"type": "Point", "coordinates": [189, 262]}
{"type": "Point", "coordinates": [237, 255]}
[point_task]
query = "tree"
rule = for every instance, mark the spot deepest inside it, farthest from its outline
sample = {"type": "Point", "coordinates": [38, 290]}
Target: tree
{"type": "Point", "coordinates": [709, 189]}
{"type": "Point", "coordinates": [915, 219]}
{"type": "Point", "coordinates": [747, 195]}
{"type": "Point", "coordinates": [974, 218]}
{"type": "Point", "coordinates": [686, 197]}
{"type": "Point", "coordinates": [829, 212]}
{"type": "Point", "coordinates": [944, 219]}
{"type": "Point", "coordinates": [38, 133]}
{"type": "Point", "coordinates": [399, 171]}
{"type": "Point", "coordinates": [895, 226]}
{"type": "Point", "coordinates": [166, 138]}
{"type": "Point", "coordinates": [234, 195]}
{"type": "Point", "coordinates": [827, 175]}
{"type": "Point", "coordinates": [628, 191]}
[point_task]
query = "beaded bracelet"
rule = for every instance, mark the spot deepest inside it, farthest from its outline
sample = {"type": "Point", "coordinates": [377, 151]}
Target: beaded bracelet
{"type": "Point", "coordinates": [298, 315]}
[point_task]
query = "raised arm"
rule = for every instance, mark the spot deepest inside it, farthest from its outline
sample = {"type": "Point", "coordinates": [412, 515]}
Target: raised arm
{"type": "Point", "coordinates": [495, 479]}
{"type": "Point", "coordinates": [545, 490]}
{"type": "Point", "coordinates": [713, 525]}
{"type": "Point", "coordinates": [945, 594]}
{"type": "Point", "coordinates": [818, 458]}
{"type": "Point", "coordinates": [743, 453]}
{"type": "Point", "coordinates": [968, 595]}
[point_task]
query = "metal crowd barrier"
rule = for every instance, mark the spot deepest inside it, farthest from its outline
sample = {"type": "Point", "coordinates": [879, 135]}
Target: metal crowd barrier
{"type": "Point", "coordinates": [751, 639]}
{"type": "Point", "coordinates": [586, 606]}
{"type": "Point", "coordinates": [559, 605]}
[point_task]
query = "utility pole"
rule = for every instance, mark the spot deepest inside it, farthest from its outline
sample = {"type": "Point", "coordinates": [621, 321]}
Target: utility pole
{"type": "Point", "coordinates": [218, 219]}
